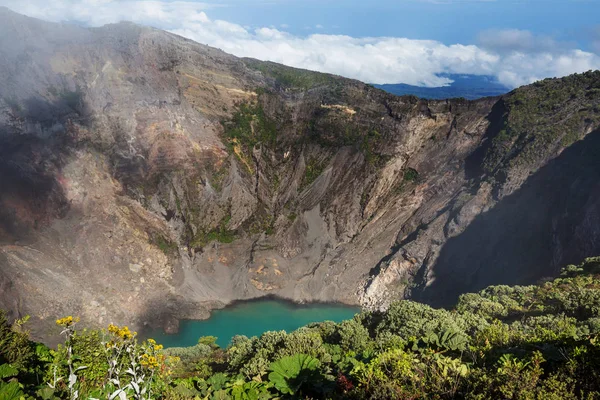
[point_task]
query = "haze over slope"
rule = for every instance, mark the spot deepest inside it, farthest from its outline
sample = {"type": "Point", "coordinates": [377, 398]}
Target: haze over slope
{"type": "Point", "coordinates": [470, 87]}
{"type": "Point", "coordinates": [145, 178]}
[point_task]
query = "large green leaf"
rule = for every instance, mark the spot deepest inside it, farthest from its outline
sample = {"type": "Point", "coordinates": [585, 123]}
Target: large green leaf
{"type": "Point", "coordinates": [448, 339]}
{"type": "Point", "coordinates": [186, 392]}
{"type": "Point", "coordinates": [43, 353]}
{"type": "Point", "coordinates": [47, 393]}
{"type": "Point", "coordinates": [289, 373]}
{"type": "Point", "coordinates": [220, 395]}
{"type": "Point", "coordinates": [217, 381]}
{"type": "Point", "coordinates": [11, 391]}
{"type": "Point", "coordinates": [250, 391]}
{"type": "Point", "coordinates": [7, 371]}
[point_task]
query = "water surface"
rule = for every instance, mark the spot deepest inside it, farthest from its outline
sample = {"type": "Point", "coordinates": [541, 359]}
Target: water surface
{"type": "Point", "coordinates": [252, 318]}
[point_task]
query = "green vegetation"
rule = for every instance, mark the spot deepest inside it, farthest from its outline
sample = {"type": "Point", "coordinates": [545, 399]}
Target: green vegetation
{"type": "Point", "coordinates": [261, 222]}
{"type": "Point", "coordinates": [314, 168]}
{"type": "Point", "coordinates": [166, 246]}
{"type": "Point", "coordinates": [250, 126]}
{"type": "Point", "coordinates": [369, 143]}
{"type": "Point", "coordinates": [291, 78]}
{"type": "Point", "coordinates": [218, 177]}
{"type": "Point", "coordinates": [331, 131]}
{"type": "Point", "coordinates": [541, 118]}
{"type": "Point", "coordinates": [520, 342]}
{"type": "Point", "coordinates": [220, 234]}
{"type": "Point", "coordinates": [411, 175]}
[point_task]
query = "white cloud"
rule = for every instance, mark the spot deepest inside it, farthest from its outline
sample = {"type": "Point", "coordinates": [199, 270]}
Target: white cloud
{"type": "Point", "coordinates": [511, 40]}
{"type": "Point", "coordinates": [595, 39]}
{"type": "Point", "coordinates": [101, 12]}
{"type": "Point", "coordinates": [515, 57]}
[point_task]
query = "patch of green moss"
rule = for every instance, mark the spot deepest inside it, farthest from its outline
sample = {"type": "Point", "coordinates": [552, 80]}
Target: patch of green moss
{"type": "Point", "coordinates": [217, 177]}
{"type": "Point", "coordinates": [178, 203]}
{"type": "Point", "coordinates": [314, 168]}
{"type": "Point", "coordinates": [261, 222]}
{"type": "Point", "coordinates": [275, 182]}
{"type": "Point", "coordinates": [165, 245]}
{"type": "Point", "coordinates": [411, 175]}
{"type": "Point", "coordinates": [220, 234]}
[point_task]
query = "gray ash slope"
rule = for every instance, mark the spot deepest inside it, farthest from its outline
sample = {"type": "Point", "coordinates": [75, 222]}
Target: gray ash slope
{"type": "Point", "coordinates": [146, 178]}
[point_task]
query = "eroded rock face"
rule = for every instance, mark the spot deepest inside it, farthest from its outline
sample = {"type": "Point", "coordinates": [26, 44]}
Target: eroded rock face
{"type": "Point", "coordinates": [147, 178]}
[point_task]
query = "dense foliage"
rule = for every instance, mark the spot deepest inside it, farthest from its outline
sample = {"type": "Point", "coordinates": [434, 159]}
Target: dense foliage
{"type": "Point", "coordinates": [521, 342]}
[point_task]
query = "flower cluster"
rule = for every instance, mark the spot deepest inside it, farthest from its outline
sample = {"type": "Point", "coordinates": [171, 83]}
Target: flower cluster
{"type": "Point", "coordinates": [148, 361]}
{"type": "Point", "coordinates": [67, 321]}
{"type": "Point", "coordinates": [123, 333]}
{"type": "Point", "coordinates": [155, 346]}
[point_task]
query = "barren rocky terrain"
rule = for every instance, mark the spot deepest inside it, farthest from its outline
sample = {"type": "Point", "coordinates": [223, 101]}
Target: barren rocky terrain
{"type": "Point", "coordinates": [146, 178]}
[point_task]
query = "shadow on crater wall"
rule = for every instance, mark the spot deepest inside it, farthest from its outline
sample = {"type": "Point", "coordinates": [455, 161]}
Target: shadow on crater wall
{"type": "Point", "coordinates": [551, 221]}
{"type": "Point", "coordinates": [31, 159]}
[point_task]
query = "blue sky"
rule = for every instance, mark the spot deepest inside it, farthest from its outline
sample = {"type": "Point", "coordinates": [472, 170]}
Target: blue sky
{"type": "Point", "coordinates": [377, 41]}
{"type": "Point", "coordinates": [458, 21]}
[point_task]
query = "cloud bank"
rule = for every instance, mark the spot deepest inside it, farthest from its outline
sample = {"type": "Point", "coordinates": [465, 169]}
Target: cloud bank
{"type": "Point", "coordinates": [515, 57]}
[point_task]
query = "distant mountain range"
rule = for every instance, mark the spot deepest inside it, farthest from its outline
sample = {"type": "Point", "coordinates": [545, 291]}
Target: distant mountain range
{"type": "Point", "coordinates": [468, 86]}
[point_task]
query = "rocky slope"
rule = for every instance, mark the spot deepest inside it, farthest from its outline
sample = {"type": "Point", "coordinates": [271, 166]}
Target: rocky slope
{"type": "Point", "coordinates": [146, 178]}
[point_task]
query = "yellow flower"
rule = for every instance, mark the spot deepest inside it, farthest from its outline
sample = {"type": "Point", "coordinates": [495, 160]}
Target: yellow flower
{"type": "Point", "coordinates": [123, 333]}
{"type": "Point", "coordinates": [67, 321]}
{"type": "Point", "coordinates": [148, 361]}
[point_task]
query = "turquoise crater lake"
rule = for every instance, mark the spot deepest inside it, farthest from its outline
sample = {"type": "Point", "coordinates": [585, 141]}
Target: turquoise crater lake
{"type": "Point", "coordinates": [252, 318]}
